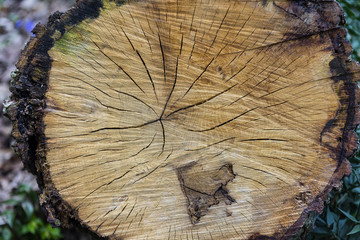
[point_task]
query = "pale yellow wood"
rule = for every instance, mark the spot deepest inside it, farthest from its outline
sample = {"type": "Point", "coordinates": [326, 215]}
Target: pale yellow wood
{"type": "Point", "coordinates": [151, 92]}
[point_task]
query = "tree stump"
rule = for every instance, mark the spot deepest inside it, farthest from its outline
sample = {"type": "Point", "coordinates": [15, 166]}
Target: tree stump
{"type": "Point", "coordinates": [187, 119]}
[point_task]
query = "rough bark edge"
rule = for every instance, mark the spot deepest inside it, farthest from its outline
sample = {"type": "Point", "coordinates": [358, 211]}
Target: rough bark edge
{"type": "Point", "coordinates": [344, 74]}
{"type": "Point", "coordinates": [29, 83]}
{"type": "Point", "coordinates": [343, 70]}
{"type": "Point", "coordinates": [25, 108]}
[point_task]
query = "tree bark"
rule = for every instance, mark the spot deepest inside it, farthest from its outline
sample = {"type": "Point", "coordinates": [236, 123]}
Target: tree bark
{"type": "Point", "coordinates": [187, 119]}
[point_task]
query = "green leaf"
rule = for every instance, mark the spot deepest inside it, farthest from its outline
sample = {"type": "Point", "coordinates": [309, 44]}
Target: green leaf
{"type": "Point", "coordinates": [356, 190]}
{"type": "Point", "coordinates": [321, 220]}
{"type": "Point", "coordinates": [343, 228]}
{"type": "Point", "coordinates": [28, 209]}
{"type": "Point", "coordinates": [343, 198]}
{"type": "Point", "coordinates": [22, 189]}
{"type": "Point", "coordinates": [356, 158]}
{"type": "Point", "coordinates": [32, 226]}
{"type": "Point", "coordinates": [349, 216]}
{"type": "Point", "coordinates": [346, 181]}
{"type": "Point", "coordinates": [321, 230]}
{"type": "Point", "coordinates": [5, 234]}
{"type": "Point", "coordinates": [329, 217]}
{"type": "Point", "coordinates": [355, 229]}
{"type": "Point", "coordinates": [11, 202]}
{"type": "Point", "coordinates": [49, 233]}
{"type": "Point", "coordinates": [24, 230]}
{"type": "Point", "coordinates": [9, 216]}
{"type": "Point", "coordinates": [334, 229]}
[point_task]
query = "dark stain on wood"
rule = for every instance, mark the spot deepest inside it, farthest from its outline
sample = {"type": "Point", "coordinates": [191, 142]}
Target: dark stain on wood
{"type": "Point", "coordinates": [257, 236]}
{"type": "Point", "coordinates": [327, 21]}
{"type": "Point", "coordinates": [346, 88]}
{"type": "Point", "coordinates": [204, 189]}
{"type": "Point", "coordinates": [303, 197]}
{"type": "Point", "coordinates": [323, 15]}
{"type": "Point", "coordinates": [264, 2]}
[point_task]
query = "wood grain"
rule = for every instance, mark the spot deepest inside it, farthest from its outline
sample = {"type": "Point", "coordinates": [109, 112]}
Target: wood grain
{"type": "Point", "coordinates": [196, 119]}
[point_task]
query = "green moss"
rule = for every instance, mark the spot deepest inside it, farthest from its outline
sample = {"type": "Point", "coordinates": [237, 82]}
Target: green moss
{"type": "Point", "coordinates": [73, 38]}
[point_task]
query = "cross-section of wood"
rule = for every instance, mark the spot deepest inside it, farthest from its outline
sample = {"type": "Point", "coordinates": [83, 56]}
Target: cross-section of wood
{"type": "Point", "coordinates": [187, 119]}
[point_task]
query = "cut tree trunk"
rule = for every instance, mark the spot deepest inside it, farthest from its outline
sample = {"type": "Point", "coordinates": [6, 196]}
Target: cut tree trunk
{"type": "Point", "coordinates": [187, 119]}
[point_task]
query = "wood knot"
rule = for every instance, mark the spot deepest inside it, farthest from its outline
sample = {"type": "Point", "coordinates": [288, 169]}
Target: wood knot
{"type": "Point", "coordinates": [204, 189]}
{"type": "Point", "coordinates": [303, 197]}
